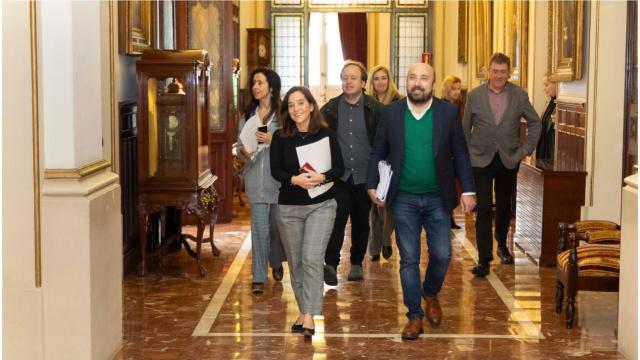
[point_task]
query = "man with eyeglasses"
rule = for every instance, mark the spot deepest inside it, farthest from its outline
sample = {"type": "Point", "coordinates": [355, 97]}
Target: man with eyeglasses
{"type": "Point", "coordinates": [491, 126]}
{"type": "Point", "coordinates": [353, 115]}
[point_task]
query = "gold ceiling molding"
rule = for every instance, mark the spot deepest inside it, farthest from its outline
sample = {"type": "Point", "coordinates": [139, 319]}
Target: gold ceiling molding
{"type": "Point", "coordinates": [77, 173]}
{"type": "Point", "coordinates": [35, 139]}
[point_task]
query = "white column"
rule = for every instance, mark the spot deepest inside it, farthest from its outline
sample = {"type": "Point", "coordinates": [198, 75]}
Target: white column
{"type": "Point", "coordinates": [72, 97]}
{"type": "Point", "coordinates": [81, 220]}
{"type": "Point", "coordinates": [605, 109]}
{"type": "Point", "coordinates": [628, 297]}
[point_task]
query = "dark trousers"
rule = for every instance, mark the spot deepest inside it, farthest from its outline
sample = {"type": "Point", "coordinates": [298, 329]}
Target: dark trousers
{"type": "Point", "coordinates": [505, 183]}
{"type": "Point", "coordinates": [353, 201]}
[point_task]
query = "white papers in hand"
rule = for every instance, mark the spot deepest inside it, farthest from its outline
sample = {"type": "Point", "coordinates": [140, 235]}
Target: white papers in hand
{"type": "Point", "coordinates": [248, 134]}
{"type": "Point", "coordinates": [318, 155]}
{"type": "Point", "coordinates": [385, 172]}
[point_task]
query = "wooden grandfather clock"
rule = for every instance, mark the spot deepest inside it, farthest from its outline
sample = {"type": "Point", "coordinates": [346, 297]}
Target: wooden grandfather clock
{"type": "Point", "coordinates": [258, 48]}
{"type": "Point", "coordinates": [173, 156]}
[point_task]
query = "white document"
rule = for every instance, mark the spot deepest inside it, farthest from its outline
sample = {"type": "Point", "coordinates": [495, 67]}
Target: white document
{"type": "Point", "coordinates": [385, 172]}
{"type": "Point", "coordinates": [248, 133]}
{"type": "Point", "coordinates": [318, 155]}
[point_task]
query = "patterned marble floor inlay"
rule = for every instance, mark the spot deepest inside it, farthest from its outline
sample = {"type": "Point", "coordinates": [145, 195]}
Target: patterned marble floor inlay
{"type": "Point", "coordinates": [173, 313]}
{"type": "Point", "coordinates": [529, 330]}
{"type": "Point", "coordinates": [211, 313]}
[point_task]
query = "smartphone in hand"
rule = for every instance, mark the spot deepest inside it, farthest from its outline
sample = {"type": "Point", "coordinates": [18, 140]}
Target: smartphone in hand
{"type": "Point", "coordinates": [262, 129]}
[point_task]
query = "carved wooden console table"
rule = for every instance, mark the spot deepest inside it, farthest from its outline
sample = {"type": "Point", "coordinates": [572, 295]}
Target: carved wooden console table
{"type": "Point", "coordinates": [201, 204]}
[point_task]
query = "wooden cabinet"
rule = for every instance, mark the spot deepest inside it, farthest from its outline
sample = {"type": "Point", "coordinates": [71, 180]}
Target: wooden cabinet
{"type": "Point", "coordinates": [546, 195]}
{"type": "Point", "coordinates": [173, 156]}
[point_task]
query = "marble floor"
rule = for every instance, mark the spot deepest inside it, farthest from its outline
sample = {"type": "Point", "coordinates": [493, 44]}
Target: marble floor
{"type": "Point", "coordinates": [172, 313]}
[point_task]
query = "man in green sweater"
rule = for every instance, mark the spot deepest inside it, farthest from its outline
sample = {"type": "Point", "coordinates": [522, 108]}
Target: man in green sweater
{"type": "Point", "coordinates": [423, 139]}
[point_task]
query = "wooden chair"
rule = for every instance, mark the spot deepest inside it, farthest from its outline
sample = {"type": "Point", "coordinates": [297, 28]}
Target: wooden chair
{"type": "Point", "coordinates": [587, 260]}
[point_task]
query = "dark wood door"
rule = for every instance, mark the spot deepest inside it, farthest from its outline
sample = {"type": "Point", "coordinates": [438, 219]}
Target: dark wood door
{"type": "Point", "coordinates": [129, 183]}
{"type": "Point", "coordinates": [212, 26]}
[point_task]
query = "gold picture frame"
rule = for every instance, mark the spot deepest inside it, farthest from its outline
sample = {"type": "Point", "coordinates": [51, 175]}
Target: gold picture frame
{"type": "Point", "coordinates": [567, 18]}
{"type": "Point", "coordinates": [463, 26]}
{"type": "Point", "coordinates": [482, 36]}
{"type": "Point", "coordinates": [515, 32]}
{"type": "Point", "coordinates": [135, 27]}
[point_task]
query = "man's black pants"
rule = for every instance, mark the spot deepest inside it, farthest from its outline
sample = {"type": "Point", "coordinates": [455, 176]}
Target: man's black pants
{"type": "Point", "coordinates": [505, 183]}
{"type": "Point", "coordinates": [353, 201]}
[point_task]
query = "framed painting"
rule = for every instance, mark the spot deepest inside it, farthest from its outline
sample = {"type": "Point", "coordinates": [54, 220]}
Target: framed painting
{"type": "Point", "coordinates": [567, 20]}
{"type": "Point", "coordinates": [463, 12]}
{"type": "Point", "coordinates": [482, 37]}
{"type": "Point", "coordinates": [134, 26]}
{"type": "Point", "coordinates": [515, 32]}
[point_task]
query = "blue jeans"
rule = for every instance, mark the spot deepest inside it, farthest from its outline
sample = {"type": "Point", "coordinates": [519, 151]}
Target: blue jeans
{"type": "Point", "coordinates": [411, 213]}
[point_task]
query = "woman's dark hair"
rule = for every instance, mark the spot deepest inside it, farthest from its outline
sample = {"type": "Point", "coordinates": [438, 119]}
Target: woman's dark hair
{"type": "Point", "coordinates": [273, 79]}
{"type": "Point", "coordinates": [316, 121]}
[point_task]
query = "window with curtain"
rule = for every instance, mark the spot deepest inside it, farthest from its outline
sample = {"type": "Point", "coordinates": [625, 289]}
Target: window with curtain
{"type": "Point", "coordinates": [325, 56]}
{"type": "Point", "coordinates": [408, 28]}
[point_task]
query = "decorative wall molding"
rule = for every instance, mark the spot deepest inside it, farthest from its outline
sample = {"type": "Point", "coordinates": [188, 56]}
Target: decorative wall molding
{"type": "Point", "coordinates": [568, 99]}
{"type": "Point", "coordinates": [77, 173]}
{"type": "Point", "coordinates": [35, 131]}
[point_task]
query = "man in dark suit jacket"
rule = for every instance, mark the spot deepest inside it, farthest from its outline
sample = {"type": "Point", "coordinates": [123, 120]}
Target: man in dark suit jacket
{"type": "Point", "coordinates": [422, 137]}
{"type": "Point", "coordinates": [353, 115]}
{"type": "Point", "coordinates": [491, 126]}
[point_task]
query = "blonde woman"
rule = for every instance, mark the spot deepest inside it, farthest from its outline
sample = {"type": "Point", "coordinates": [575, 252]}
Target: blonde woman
{"type": "Point", "coordinates": [381, 86]}
{"type": "Point", "coordinates": [383, 89]}
{"type": "Point", "coordinates": [545, 149]}
{"type": "Point", "coordinates": [451, 90]}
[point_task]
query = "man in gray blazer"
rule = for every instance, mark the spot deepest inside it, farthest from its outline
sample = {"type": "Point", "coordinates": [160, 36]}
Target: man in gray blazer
{"type": "Point", "coordinates": [491, 126]}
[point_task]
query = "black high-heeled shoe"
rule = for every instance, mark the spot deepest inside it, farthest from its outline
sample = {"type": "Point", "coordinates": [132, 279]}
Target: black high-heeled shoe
{"type": "Point", "coordinates": [308, 333]}
{"type": "Point", "coordinates": [296, 328]}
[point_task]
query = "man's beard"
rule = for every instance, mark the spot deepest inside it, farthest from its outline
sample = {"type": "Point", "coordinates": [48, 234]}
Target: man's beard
{"type": "Point", "coordinates": [426, 96]}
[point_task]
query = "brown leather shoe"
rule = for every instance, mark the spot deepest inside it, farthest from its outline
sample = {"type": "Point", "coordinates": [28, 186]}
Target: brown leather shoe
{"type": "Point", "coordinates": [413, 329]}
{"type": "Point", "coordinates": [434, 311]}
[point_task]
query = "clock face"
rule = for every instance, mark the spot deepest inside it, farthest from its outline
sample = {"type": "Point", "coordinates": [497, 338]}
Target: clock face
{"type": "Point", "coordinates": [262, 51]}
{"type": "Point", "coordinates": [173, 122]}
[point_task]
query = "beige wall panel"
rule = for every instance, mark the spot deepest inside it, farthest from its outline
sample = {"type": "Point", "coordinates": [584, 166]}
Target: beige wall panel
{"type": "Point", "coordinates": [449, 51]}
{"type": "Point", "coordinates": [22, 301]}
{"type": "Point", "coordinates": [605, 110]}
{"type": "Point", "coordinates": [378, 39]}
{"type": "Point", "coordinates": [438, 46]}
{"type": "Point", "coordinates": [538, 52]}
{"type": "Point", "coordinates": [628, 297]}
